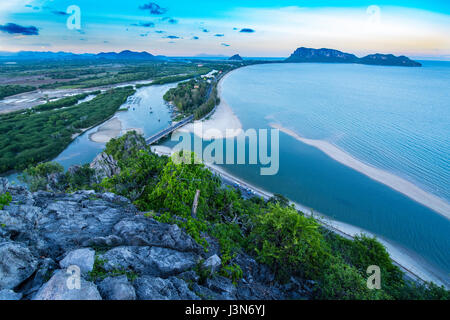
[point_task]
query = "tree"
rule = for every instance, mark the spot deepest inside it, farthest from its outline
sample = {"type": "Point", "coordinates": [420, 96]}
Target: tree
{"type": "Point", "coordinates": [288, 242]}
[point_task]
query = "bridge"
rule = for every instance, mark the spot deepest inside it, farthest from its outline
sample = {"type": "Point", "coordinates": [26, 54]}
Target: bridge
{"type": "Point", "coordinates": [155, 138]}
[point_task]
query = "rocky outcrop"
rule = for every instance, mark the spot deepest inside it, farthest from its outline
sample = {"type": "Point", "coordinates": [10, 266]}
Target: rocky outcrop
{"type": "Point", "coordinates": [236, 57]}
{"type": "Point", "coordinates": [49, 240]}
{"type": "Point", "coordinates": [155, 261]}
{"type": "Point", "coordinates": [16, 264]}
{"type": "Point", "coordinates": [117, 288]}
{"type": "Point", "coordinates": [321, 55]}
{"type": "Point", "coordinates": [155, 288]}
{"type": "Point", "coordinates": [389, 60]}
{"type": "Point", "coordinates": [104, 165]}
{"type": "Point", "coordinates": [213, 263]}
{"type": "Point", "coordinates": [83, 258]}
{"type": "Point", "coordinates": [335, 56]}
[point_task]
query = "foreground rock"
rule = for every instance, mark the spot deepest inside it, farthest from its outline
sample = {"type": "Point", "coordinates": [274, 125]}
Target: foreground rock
{"type": "Point", "coordinates": [61, 287]}
{"type": "Point", "coordinates": [16, 264]}
{"type": "Point", "coordinates": [120, 254]}
{"type": "Point", "coordinates": [155, 288]}
{"type": "Point", "coordinates": [155, 261]}
{"type": "Point", "coordinates": [117, 288]}
{"type": "Point", "coordinates": [82, 258]}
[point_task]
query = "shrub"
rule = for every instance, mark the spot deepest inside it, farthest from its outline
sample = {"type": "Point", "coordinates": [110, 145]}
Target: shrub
{"type": "Point", "coordinates": [288, 242]}
{"type": "Point", "coordinates": [37, 177]}
{"type": "Point", "coordinates": [343, 282]}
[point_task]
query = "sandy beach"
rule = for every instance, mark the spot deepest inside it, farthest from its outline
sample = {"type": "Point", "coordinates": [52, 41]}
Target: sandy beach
{"type": "Point", "coordinates": [397, 183]}
{"type": "Point", "coordinates": [216, 126]}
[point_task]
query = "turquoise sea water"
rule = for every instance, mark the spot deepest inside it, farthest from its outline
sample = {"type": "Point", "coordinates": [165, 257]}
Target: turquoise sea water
{"type": "Point", "coordinates": [393, 118]}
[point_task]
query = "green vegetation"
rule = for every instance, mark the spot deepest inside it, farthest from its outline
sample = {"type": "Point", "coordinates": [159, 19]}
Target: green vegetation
{"type": "Point", "coordinates": [99, 273]}
{"type": "Point", "coordinates": [207, 106]}
{"type": "Point", "coordinates": [12, 89]}
{"type": "Point", "coordinates": [31, 137]}
{"type": "Point", "coordinates": [50, 176]}
{"type": "Point", "coordinates": [5, 199]}
{"type": "Point", "coordinates": [88, 73]}
{"type": "Point", "coordinates": [139, 168]}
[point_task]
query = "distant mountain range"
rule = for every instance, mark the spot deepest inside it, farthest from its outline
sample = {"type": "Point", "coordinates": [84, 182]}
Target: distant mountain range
{"type": "Point", "coordinates": [36, 55]}
{"type": "Point", "coordinates": [335, 56]}
{"type": "Point", "coordinates": [300, 55]}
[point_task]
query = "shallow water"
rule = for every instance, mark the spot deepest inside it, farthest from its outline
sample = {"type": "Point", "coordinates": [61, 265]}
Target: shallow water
{"type": "Point", "coordinates": [82, 150]}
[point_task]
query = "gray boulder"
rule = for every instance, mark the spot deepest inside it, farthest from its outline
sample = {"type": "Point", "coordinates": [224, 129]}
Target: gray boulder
{"type": "Point", "coordinates": [154, 288]}
{"type": "Point", "coordinates": [59, 288]}
{"type": "Point", "coordinates": [114, 198]}
{"type": "Point", "coordinates": [154, 261]}
{"type": "Point", "coordinates": [4, 185]}
{"type": "Point", "coordinates": [83, 258]}
{"type": "Point", "coordinates": [17, 264]}
{"type": "Point", "coordinates": [7, 294]}
{"type": "Point", "coordinates": [117, 288]}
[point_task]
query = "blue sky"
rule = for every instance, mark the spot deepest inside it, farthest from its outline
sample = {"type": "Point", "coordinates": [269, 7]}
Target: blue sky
{"type": "Point", "coordinates": [419, 29]}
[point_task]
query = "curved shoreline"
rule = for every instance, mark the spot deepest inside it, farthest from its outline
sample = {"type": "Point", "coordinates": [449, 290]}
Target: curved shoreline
{"type": "Point", "coordinates": [221, 124]}
{"type": "Point", "coordinates": [400, 256]}
{"type": "Point", "coordinates": [224, 116]}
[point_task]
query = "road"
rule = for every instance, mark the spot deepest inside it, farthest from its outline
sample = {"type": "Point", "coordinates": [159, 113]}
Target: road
{"type": "Point", "coordinates": [165, 132]}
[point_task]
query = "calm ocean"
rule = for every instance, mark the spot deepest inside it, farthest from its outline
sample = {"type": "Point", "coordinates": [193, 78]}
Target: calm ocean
{"type": "Point", "coordinates": [393, 118]}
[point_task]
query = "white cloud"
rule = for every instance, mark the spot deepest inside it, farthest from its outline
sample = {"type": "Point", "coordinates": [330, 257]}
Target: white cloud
{"type": "Point", "coordinates": [398, 30]}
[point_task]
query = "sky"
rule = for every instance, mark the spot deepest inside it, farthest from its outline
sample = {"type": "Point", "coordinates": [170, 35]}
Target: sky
{"type": "Point", "coordinates": [263, 28]}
